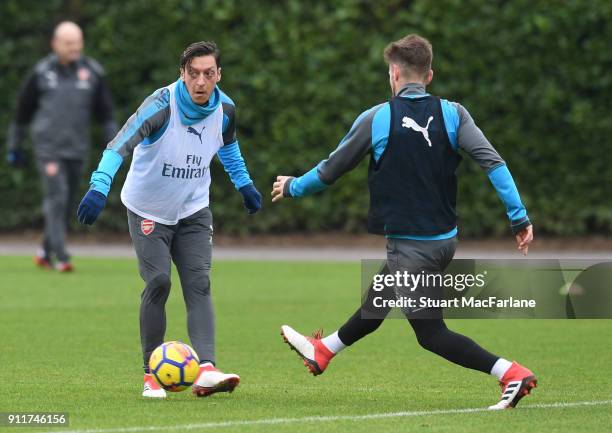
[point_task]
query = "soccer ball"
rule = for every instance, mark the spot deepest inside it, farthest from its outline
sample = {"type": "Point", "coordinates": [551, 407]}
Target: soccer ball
{"type": "Point", "coordinates": [174, 365]}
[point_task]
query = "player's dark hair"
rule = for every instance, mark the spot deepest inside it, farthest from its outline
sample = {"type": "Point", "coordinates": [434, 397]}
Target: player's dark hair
{"type": "Point", "coordinates": [413, 54]}
{"type": "Point", "coordinates": [198, 49]}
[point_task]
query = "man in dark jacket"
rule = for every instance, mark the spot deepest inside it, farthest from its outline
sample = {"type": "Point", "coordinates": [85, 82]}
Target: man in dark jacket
{"type": "Point", "coordinates": [58, 99]}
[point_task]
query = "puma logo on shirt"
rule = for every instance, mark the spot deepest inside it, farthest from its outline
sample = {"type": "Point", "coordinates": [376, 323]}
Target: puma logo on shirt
{"type": "Point", "coordinates": [194, 132]}
{"type": "Point", "coordinates": [407, 122]}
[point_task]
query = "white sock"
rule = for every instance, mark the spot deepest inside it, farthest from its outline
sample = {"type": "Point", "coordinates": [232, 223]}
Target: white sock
{"type": "Point", "coordinates": [333, 343]}
{"type": "Point", "coordinates": [500, 367]}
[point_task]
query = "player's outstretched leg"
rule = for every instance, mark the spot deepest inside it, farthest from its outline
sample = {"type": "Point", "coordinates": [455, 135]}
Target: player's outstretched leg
{"type": "Point", "coordinates": [211, 380]}
{"type": "Point", "coordinates": [516, 383]}
{"type": "Point", "coordinates": [152, 388]}
{"type": "Point", "coordinates": [315, 354]}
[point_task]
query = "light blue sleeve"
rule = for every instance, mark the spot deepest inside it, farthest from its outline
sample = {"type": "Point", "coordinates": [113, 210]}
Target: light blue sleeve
{"type": "Point", "coordinates": [506, 189]}
{"type": "Point", "coordinates": [102, 178]}
{"type": "Point", "coordinates": [380, 130]}
{"type": "Point", "coordinates": [355, 145]}
{"type": "Point", "coordinates": [307, 184]}
{"type": "Point", "coordinates": [451, 122]}
{"type": "Point", "coordinates": [234, 164]}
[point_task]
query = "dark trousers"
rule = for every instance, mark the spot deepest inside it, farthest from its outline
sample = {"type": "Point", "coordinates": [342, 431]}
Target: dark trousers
{"type": "Point", "coordinates": [60, 195]}
{"type": "Point", "coordinates": [189, 245]}
{"type": "Point", "coordinates": [428, 324]}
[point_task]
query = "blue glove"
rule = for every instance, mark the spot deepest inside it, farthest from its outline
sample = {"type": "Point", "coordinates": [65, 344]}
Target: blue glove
{"type": "Point", "coordinates": [16, 158]}
{"type": "Point", "coordinates": [251, 198]}
{"type": "Point", "coordinates": [92, 204]}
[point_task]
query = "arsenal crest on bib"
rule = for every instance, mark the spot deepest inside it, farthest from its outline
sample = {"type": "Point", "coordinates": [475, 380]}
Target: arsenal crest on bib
{"type": "Point", "coordinates": [147, 227]}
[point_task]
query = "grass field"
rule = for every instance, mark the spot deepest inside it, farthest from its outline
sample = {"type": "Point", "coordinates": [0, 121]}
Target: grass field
{"type": "Point", "coordinates": [70, 343]}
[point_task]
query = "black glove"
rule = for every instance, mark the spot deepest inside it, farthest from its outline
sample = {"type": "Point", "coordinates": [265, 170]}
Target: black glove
{"type": "Point", "coordinates": [16, 158]}
{"type": "Point", "coordinates": [92, 204]}
{"type": "Point", "coordinates": [251, 198]}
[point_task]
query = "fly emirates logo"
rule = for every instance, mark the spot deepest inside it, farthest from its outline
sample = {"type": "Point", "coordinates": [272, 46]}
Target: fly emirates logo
{"type": "Point", "coordinates": [192, 169]}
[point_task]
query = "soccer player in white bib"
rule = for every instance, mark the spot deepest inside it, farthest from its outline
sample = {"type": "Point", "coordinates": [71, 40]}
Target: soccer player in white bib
{"type": "Point", "coordinates": [172, 138]}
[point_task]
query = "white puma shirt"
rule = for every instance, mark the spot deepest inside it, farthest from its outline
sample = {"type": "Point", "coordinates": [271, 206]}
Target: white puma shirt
{"type": "Point", "coordinates": [170, 179]}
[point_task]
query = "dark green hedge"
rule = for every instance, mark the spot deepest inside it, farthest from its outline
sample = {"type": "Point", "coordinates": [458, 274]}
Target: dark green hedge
{"type": "Point", "coordinates": [534, 74]}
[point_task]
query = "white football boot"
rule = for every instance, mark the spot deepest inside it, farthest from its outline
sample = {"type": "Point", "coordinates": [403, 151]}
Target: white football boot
{"type": "Point", "coordinates": [152, 388]}
{"type": "Point", "coordinates": [211, 380]}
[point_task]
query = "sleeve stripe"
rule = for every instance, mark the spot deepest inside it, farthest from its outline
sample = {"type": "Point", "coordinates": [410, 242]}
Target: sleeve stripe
{"type": "Point", "coordinates": [380, 130]}
{"type": "Point", "coordinates": [234, 164]}
{"type": "Point", "coordinates": [451, 122]}
{"type": "Point", "coordinates": [142, 115]}
{"type": "Point", "coordinates": [225, 123]}
{"type": "Point", "coordinates": [506, 189]}
{"type": "Point", "coordinates": [307, 184]}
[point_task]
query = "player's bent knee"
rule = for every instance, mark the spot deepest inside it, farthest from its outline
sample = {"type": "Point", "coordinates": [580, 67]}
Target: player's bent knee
{"type": "Point", "coordinates": [426, 342]}
{"type": "Point", "coordinates": [157, 289]}
{"type": "Point", "coordinates": [200, 286]}
{"type": "Point", "coordinates": [428, 332]}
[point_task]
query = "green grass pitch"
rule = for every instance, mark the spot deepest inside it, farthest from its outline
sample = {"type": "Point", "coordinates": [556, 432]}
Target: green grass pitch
{"type": "Point", "coordinates": [70, 343]}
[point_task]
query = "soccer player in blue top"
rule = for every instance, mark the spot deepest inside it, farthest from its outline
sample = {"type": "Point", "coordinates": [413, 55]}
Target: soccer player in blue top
{"type": "Point", "coordinates": [414, 142]}
{"type": "Point", "coordinates": [172, 139]}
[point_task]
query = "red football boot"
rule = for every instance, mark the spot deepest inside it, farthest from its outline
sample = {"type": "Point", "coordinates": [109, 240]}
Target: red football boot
{"type": "Point", "coordinates": [211, 380]}
{"type": "Point", "coordinates": [42, 261]}
{"type": "Point", "coordinates": [151, 388]}
{"type": "Point", "coordinates": [315, 354]}
{"type": "Point", "coordinates": [64, 267]}
{"type": "Point", "coordinates": [516, 383]}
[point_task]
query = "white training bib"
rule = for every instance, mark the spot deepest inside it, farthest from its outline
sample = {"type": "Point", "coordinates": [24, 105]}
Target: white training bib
{"type": "Point", "coordinates": [169, 179]}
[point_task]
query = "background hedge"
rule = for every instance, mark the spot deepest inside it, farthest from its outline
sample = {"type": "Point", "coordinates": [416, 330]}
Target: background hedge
{"type": "Point", "coordinates": [534, 74]}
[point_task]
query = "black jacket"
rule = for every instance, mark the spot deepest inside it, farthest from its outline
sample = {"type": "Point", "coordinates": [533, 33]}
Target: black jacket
{"type": "Point", "coordinates": [59, 101]}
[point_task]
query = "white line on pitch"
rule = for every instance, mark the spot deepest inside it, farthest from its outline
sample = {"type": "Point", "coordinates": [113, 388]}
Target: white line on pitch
{"type": "Point", "coordinates": [271, 421]}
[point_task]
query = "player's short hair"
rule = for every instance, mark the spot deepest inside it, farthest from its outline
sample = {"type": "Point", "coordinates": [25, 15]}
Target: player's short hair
{"type": "Point", "coordinates": [198, 49]}
{"type": "Point", "coordinates": [412, 53]}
